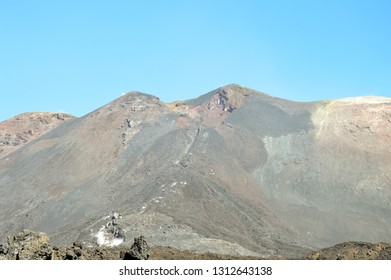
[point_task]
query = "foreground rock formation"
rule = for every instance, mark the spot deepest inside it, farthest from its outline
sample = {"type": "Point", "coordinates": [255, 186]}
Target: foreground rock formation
{"type": "Point", "coordinates": [28, 245]}
{"type": "Point", "coordinates": [354, 251]}
{"type": "Point", "coordinates": [234, 171]}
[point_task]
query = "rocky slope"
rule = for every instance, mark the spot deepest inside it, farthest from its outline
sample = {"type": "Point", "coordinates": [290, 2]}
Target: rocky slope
{"type": "Point", "coordinates": [354, 251]}
{"type": "Point", "coordinates": [28, 245]}
{"type": "Point", "coordinates": [23, 128]}
{"type": "Point", "coordinates": [234, 171]}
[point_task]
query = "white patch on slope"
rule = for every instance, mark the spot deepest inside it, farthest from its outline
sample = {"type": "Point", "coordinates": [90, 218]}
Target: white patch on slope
{"type": "Point", "coordinates": [104, 240]}
{"type": "Point", "coordinates": [365, 100]}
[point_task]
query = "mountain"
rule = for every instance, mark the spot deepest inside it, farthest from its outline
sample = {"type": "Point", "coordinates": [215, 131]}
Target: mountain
{"type": "Point", "coordinates": [23, 128]}
{"type": "Point", "coordinates": [234, 171]}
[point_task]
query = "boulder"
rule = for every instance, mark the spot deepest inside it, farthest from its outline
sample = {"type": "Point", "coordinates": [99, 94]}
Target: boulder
{"type": "Point", "coordinates": [140, 250]}
{"type": "Point", "coordinates": [27, 245]}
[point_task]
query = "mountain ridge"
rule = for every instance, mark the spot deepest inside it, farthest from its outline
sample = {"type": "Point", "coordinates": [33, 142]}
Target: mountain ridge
{"type": "Point", "coordinates": [230, 171]}
{"type": "Point", "coordinates": [23, 128]}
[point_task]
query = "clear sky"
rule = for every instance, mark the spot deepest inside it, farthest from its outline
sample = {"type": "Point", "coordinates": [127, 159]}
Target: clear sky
{"type": "Point", "coordinates": [76, 56]}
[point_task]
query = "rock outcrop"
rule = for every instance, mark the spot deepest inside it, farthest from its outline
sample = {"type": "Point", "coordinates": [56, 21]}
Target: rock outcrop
{"type": "Point", "coordinates": [139, 250]}
{"type": "Point", "coordinates": [111, 234]}
{"type": "Point", "coordinates": [354, 251]}
{"type": "Point", "coordinates": [29, 245]}
{"type": "Point", "coordinates": [22, 129]}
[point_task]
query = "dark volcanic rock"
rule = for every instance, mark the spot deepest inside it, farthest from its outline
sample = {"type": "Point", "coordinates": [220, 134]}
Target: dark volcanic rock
{"type": "Point", "coordinates": [27, 245]}
{"type": "Point", "coordinates": [139, 250]}
{"type": "Point", "coordinates": [354, 251]}
{"type": "Point", "coordinates": [79, 251]}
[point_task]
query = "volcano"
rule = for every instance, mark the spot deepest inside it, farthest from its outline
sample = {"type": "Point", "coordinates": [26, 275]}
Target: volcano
{"type": "Point", "coordinates": [234, 171]}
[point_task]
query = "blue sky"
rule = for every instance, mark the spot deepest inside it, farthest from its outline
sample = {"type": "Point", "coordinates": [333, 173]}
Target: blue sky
{"type": "Point", "coordinates": [76, 56]}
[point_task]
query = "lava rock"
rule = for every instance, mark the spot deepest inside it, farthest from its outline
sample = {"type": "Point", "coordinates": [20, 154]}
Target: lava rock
{"type": "Point", "coordinates": [140, 250]}
{"type": "Point", "coordinates": [27, 245]}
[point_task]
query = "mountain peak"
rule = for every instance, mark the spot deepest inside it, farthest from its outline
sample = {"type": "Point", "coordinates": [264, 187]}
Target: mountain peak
{"type": "Point", "coordinates": [137, 95]}
{"type": "Point", "coordinates": [233, 86]}
{"type": "Point", "coordinates": [131, 101]}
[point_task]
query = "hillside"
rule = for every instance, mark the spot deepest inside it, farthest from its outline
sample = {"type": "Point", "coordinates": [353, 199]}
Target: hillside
{"type": "Point", "coordinates": [234, 171]}
{"type": "Point", "coordinates": [23, 128]}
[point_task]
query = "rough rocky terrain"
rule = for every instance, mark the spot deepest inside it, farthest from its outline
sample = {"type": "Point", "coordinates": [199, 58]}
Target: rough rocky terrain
{"type": "Point", "coordinates": [354, 251]}
{"type": "Point", "coordinates": [234, 172]}
{"type": "Point", "coordinates": [28, 245]}
{"type": "Point", "coordinates": [23, 128]}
